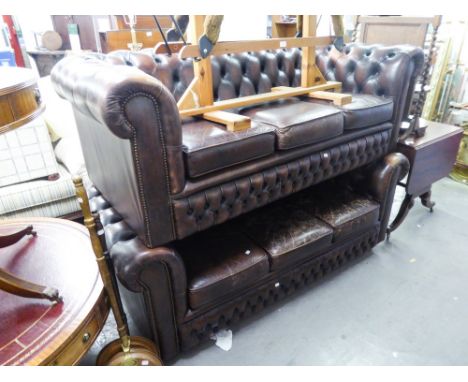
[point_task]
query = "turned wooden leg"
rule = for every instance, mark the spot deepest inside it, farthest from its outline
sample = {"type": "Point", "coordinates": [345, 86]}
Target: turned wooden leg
{"type": "Point", "coordinates": [8, 240]}
{"type": "Point", "coordinates": [407, 204]}
{"type": "Point", "coordinates": [14, 285]}
{"type": "Point", "coordinates": [426, 201]}
{"type": "Point", "coordinates": [23, 288]}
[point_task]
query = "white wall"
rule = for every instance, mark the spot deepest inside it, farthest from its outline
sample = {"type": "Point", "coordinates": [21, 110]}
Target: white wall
{"type": "Point", "coordinates": [249, 27]}
{"type": "Point", "coordinates": [31, 23]}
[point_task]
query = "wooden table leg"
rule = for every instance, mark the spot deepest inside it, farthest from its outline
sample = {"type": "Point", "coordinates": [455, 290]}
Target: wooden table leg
{"type": "Point", "coordinates": [14, 285]}
{"type": "Point", "coordinates": [426, 201]}
{"type": "Point", "coordinates": [23, 288]}
{"type": "Point", "coordinates": [407, 204]}
{"type": "Point", "coordinates": [8, 240]}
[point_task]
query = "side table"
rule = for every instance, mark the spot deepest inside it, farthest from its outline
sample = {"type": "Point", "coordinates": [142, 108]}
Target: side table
{"type": "Point", "coordinates": [431, 158]}
{"type": "Point", "coordinates": [38, 332]}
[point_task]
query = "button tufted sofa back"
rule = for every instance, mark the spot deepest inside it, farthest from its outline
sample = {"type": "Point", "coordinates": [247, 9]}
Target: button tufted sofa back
{"type": "Point", "coordinates": [367, 69]}
{"type": "Point", "coordinates": [234, 75]}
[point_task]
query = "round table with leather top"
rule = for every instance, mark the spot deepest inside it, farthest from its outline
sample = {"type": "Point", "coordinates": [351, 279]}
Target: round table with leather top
{"type": "Point", "coordinates": [37, 331]}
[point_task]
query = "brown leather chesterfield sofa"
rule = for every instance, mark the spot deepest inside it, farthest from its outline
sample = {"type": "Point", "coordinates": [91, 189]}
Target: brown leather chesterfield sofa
{"type": "Point", "coordinates": [206, 226]}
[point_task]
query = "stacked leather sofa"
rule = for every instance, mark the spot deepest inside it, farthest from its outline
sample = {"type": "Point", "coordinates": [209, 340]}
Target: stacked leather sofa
{"type": "Point", "coordinates": [206, 226]}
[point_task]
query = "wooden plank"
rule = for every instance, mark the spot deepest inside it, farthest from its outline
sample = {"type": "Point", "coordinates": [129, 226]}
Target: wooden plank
{"type": "Point", "coordinates": [310, 74]}
{"type": "Point", "coordinates": [175, 47]}
{"type": "Point", "coordinates": [233, 122]}
{"type": "Point", "coordinates": [190, 98]}
{"type": "Point", "coordinates": [224, 47]}
{"type": "Point", "coordinates": [398, 20]}
{"type": "Point", "coordinates": [338, 99]}
{"type": "Point", "coordinates": [258, 98]}
{"type": "Point", "coordinates": [202, 68]}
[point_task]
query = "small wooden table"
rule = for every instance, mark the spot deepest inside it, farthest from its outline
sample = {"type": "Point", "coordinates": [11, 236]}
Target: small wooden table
{"type": "Point", "coordinates": [431, 158]}
{"type": "Point", "coordinates": [39, 332]}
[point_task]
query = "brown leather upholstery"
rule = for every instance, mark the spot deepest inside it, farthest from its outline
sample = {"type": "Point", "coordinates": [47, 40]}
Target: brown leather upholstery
{"type": "Point", "coordinates": [364, 111]}
{"type": "Point", "coordinates": [161, 274]}
{"type": "Point", "coordinates": [219, 262]}
{"type": "Point", "coordinates": [209, 147]}
{"type": "Point", "coordinates": [376, 70]}
{"type": "Point", "coordinates": [345, 211]}
{"type": "Point", "coordinates": [127, 117]}
{"type": "Point", "coordinates": [287, 234]}
{"type": "Point", "coordinates": [136, 157]}
{"type": "Point", "coordinates": [298, 123]}
{"type": "Point", "coordinates": [215, 205]}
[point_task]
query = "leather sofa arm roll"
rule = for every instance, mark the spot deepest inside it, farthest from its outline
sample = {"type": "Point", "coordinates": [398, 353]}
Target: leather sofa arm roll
{"type": "Point", "coordinates": [131, 135]}
{"type": "Point", "coordinates": [382, 182]}
{"type": "Point", "coordinates": [138, 267]}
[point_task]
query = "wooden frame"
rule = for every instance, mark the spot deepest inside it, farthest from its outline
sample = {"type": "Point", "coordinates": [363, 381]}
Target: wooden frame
{"type": "Point", "coordinates": [198, 100]}
{"type": "Point", "coordinates": [391, 30]}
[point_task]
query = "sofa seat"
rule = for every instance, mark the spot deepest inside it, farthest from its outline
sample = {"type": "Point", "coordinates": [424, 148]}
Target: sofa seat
{"type": "Point", "coordinates": [343, 210]}
{"type": "Point", "coordinates": [208, 146]}
{"type": "Point", "coordinates": [287, 234]}
{"type": "Point", "coordinates": [298, 123]}
{"type": "Point", "coordinates": [218, 262]}
{"type": "Point", "coordinates": [349, 214]}
{"type": "Point", "coordinates": [365, 110]}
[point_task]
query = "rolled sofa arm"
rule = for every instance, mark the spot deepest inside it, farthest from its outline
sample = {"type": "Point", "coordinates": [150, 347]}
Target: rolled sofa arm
{"type": "Point", "coordinates": [154, 275]}
{"type": "Point", "coordinates": [131, 135]}
{"type": "Point", "coordinates": [382, 183]}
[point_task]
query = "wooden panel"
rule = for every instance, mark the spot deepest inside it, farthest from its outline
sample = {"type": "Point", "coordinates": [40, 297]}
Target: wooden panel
{"type": "Point", "coordinates": [144, 22]}
{"type": "Point", "coordinates": [386, 35]}
{"type": "Point", "coordinates": [338, 99]}
{"type": "Point", "coordinates": [202, 68]}
{"type": "Point", "coordinates": [224, 47]}
{"type": "Point", "coordinates": [85, 30]}
{"type": "Point", "coordinates": [282, 29]}
{"type": "Point", "coordinates": [431, 156]}
{"type": "Point", "coordinates": [232, 121]}
{"type": "Point", "coordinates": [6, 114]}
{"type": "Point", "coordinates": [310, 74]}
{"type": "Point", "coordinates": [395, 30]}
{"type": "Point", "coordinates": [258, 98]}
{"type": "Point", "coordinates": [19, 98]}
{"type": "Point", "coordinates": [119, 39]}
{"type": "Point", "coordinates": [23, 102]}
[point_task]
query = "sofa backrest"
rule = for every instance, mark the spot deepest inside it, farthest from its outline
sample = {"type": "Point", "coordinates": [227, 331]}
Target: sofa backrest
{"type": "Point", "coordinates": [367, 69]}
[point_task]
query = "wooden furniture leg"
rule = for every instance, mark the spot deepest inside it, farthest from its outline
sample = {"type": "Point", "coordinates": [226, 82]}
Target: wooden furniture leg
{"type": "Point", "coordinates": [23, 288]}
{"type": "Point", "coordinates": [8, 240]}
{"type": "Point", "coordinates": [407, 204]}
{"type": "Point", "coordinates": [19, 287]}
{"type": "Point", "coordinates": [426, 200]}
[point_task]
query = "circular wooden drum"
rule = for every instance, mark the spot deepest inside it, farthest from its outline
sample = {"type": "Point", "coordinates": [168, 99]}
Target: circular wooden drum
{"type": "Point", "coordinates": [20, 99]}
{"type": "Point", "coordinates": [38, 332]}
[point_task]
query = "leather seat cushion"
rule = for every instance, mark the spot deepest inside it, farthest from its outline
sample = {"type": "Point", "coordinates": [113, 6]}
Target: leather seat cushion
{"type": "Point", "coordinates": [218, 262]}
{"type": "Point", "coordinates": [349, 214]}
{"type": "Point", "coordinates": [298, 123]}
{"type": "Point", "coordinates": [209, 147]}
{"type": "Point", "coordinates": [287, 234]}
{"type": "Point", "coordinates": [344, 210]}
{"type": "Point", "coordinates": [364, 110]}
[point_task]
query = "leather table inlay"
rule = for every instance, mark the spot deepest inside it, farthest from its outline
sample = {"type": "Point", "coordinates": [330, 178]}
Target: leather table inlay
{"type": "Point", "coordinates": [38, 332]}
